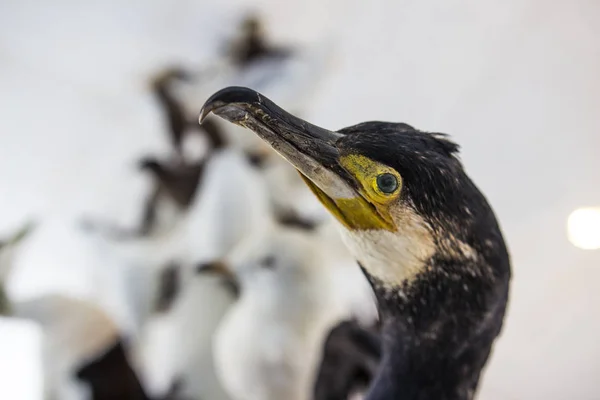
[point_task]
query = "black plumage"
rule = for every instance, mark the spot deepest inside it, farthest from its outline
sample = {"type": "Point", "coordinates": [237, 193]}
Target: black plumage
{"type": "Point", "coordinates": [351, 356]}
{"type": "Point", "coordinates": [438, 329]}
{"type": "Point", "coordinates": [111, 377]}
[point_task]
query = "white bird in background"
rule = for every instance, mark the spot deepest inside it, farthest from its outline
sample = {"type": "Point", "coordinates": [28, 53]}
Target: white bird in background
{"type": "Point", "coordinates": [75, 333]}
{"type": "Point", "coordinates": [228, 206]}
{"type": "Point", "coordinates": [177, 344]}
{"type": "Point", "coordinates": [293, 286]}
{"type": "Point", "coordinates": [291, 75]}
{"type": "Point", "coordinates": [144, 284]}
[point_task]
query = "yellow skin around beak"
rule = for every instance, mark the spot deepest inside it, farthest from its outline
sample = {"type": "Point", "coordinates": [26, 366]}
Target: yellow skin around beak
{"type": "Point", "coordinates": [370, 208]}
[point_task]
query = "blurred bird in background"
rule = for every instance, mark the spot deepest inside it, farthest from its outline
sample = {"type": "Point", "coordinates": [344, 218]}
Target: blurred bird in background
{"type": "Point", "coordinates": [230, 283]}
{"type": "Point", "coordinates": [293, 291]}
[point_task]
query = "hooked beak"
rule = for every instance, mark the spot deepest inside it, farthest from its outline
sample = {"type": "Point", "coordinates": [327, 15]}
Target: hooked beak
{"type": "Point", "coordinates": [312, 150]}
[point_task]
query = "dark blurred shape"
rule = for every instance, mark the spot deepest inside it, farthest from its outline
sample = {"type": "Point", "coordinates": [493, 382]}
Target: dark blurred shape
{"type": "Point", "coordinates": [4, 301]}
{"type": "Point", "coordinates": [257, 159]}
{"type": "Point", "coordinates": [174, 182]}
{"type": "Point", "coordinates": [19, 235]}
{"type": "Point", "coordinates": [175, 112]}
{"type": "Point", "coordinates": [6, 247]}
{"type": "Point", "coordinates": [169, 287]}
{"type": "Point", "coordinates": [5, 307]}
{"type": "Point", "coordinates": [350, 360]}
{"type": "Point", "coordinates": [214, 134]}
{"type": "Point", "coordinates": [111, 377]}
{"type": "Point", "coordinates": [253, 44]}
{"type": "Point", "coordinates": [291, 219]}
{"type": "Point", "coordinates": [177, 181]}
{"type": "Point", "coordinates": [227, 277]}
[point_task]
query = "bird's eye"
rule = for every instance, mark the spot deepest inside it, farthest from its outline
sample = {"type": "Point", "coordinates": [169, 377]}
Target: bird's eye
{"type": "Point", "coordinates": [387, 183]}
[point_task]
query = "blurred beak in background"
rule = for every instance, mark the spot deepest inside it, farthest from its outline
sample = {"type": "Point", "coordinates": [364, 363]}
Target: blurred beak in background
{"type": "Point", "coordinates": [223, 271]}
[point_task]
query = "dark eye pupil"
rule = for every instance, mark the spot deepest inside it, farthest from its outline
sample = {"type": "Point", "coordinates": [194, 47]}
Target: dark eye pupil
{"type": "Point", "coordinates": [387, 183]}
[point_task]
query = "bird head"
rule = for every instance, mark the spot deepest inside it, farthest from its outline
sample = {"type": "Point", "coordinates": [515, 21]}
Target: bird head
{"type": "Point", "coordinates": [401, 195]}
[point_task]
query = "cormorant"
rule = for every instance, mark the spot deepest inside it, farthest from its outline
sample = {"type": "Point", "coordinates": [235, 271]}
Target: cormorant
{"type": "Point", "coordinates": [422, 232]}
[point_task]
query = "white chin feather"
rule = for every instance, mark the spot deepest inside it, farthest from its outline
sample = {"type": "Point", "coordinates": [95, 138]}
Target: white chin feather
{"type": "Point", "coordinates": [390, 257]}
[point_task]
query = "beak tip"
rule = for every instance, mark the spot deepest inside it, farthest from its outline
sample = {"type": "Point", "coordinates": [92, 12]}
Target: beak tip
{"type": "Point", "coordinates": [203, 114]}
{"type": "Point", "coordinates": [229, 96]}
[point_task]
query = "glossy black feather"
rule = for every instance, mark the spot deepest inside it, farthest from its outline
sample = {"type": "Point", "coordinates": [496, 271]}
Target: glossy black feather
{"type": "Point", "coordinates": [351, 355]}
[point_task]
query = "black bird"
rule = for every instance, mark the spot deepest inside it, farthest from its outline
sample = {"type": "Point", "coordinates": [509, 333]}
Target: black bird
{"type": "Point", "coordinates": [351, 356]}
{"type": "Point", "coordinates": [424, 235]}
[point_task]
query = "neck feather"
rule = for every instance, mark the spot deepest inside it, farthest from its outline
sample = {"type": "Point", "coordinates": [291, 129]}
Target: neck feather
{"type": "Point", "coordinates": [438, 330]}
